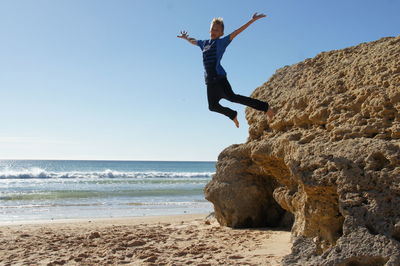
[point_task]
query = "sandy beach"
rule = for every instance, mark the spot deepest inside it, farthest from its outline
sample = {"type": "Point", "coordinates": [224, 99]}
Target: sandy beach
{"type": "Point", "coordinates": [192, 239]}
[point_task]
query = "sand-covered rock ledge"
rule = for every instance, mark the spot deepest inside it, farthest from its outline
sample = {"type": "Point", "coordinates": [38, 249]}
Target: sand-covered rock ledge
{"type": "Point", "coordinates": [328, 164]}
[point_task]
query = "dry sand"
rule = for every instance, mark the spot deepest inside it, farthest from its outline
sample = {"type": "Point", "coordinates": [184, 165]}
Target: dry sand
{"type": "Point", "coordinates": [163, 240]}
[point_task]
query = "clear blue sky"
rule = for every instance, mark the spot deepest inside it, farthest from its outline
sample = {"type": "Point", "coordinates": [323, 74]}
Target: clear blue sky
{"type": "Point", "coordinates": [98, 79]}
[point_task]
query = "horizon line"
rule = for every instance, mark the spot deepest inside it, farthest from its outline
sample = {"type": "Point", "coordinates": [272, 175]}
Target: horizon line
{"type": "Point", "coordinates": [104, 160]}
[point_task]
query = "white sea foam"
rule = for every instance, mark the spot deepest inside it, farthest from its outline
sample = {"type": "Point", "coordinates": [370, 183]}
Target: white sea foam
{"type": "Point", "coordinates": [35, 172]}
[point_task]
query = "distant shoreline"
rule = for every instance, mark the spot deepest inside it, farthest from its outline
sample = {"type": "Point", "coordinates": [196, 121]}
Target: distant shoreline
{"type": "Point", "coordinates": [108, 220]}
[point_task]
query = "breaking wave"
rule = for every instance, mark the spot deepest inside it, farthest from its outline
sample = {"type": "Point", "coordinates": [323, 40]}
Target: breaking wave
{"type": "Point", "coordinates": [38, 173]}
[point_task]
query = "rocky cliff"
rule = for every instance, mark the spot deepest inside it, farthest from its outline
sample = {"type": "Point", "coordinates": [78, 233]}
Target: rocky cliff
{"type": "Point", "coordinates": [328, 164]}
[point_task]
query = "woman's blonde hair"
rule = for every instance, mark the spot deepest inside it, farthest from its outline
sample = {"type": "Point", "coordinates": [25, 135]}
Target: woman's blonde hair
{"type": "Point", "coordinates": [218, 21]}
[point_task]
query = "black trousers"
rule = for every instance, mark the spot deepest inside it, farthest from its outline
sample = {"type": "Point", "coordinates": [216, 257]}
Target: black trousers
{"type": "Point", "coordinates": [219, 88]}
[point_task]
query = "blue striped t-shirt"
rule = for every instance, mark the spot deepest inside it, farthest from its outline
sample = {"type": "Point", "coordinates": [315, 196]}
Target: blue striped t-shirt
{"type": "Point", "coordinates": [213, 50]}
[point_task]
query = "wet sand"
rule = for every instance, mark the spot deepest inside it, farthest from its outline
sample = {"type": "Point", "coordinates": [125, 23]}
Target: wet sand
{"type": "Point", "coordinates": [161, 240]}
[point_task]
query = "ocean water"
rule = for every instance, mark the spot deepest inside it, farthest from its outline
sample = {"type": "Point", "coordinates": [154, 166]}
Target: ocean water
{"type": "Point", "coordinates": [46, 189]}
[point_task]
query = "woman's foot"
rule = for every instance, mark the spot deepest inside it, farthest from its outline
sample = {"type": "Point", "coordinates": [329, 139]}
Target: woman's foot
{"type": "Point", "coordinates": [236, 122]}
{"type": "Point", "coordinates": [270, 113]}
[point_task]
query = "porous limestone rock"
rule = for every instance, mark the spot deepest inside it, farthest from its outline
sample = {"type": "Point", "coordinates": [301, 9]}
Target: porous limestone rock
{"type": "Point", "coordinates": [330, 158]}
